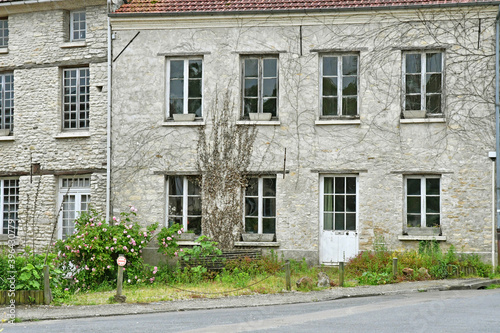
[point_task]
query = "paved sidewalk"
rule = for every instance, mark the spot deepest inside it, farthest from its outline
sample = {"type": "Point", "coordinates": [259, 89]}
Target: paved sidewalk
{"type": "Point", "coordinates": [45, 312]}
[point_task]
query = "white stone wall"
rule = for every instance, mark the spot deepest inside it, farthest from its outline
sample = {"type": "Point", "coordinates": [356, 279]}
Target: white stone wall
{"type": "Point", "coordinates": [38, 51]}
{"type": "Point", "coordinates": [381, 149]}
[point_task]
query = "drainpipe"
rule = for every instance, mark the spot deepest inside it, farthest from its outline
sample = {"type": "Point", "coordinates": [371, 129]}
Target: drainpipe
{"type": "Point", "coordinates": [497, 118]}
{"type": "Point", "coordinates": [108, 124]}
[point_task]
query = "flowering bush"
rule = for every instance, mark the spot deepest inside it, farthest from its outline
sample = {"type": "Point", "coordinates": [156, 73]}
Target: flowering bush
{"type": "Point", "coordinates": [89, 254]}
{"type": "Point", "coordinates": [167, 240]}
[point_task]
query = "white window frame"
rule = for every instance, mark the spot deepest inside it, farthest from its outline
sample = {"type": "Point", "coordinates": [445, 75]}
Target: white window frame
{"type": "Point", "coordinates": [77, 187]}
{"type": "Point", "coordinates": [423, 195]}
{"type": "Point", "coordinates": [66, 112]}
{"type": "Point", "coordinates": [340, 76]}
{"type": "Point", "coordinates": [260, 82]}
{"type": "Point", "coordinates": [4, 32]}
{"type": "Point", "coordinates": [423, 90]}
{"type": "Point", "coordinates": [73, 21]}
{"type": "Point", "coordinates": [322, 201]}
{"type": "Point", "coordinates": [186, 98]}
{"type": "Point", "coordinates": [3, 203]}
{"type": "Point", "coordinates": [185, 202]}
{"type": "Point", "coordinates": [260, 204]}
{"type": "Point", "coordinates": [7, 94]}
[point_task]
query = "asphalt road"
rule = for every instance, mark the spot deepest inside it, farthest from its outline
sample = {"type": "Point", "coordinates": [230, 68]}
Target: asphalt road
{"type": "Point", "coordinates": [447, 311]}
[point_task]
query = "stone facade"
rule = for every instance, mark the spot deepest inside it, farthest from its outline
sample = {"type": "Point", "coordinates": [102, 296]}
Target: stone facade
{"type": "Point", "coordinates": [379, 148]}
{"type": "Point", "coordinates": [38, 50]}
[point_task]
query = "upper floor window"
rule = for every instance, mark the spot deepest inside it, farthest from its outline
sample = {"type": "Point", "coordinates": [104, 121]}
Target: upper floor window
{"type": "Point", "coordinates": [9, 204]}
{"type": "Point", "coordinates": [76, 97]}
{"type": "Point", "coordinates": [423, 82]}
{"type": "Point", "coordinates": [260, 85]}
{"type": "Point", "coordinates": [4, 32]}
{"type": "Point", "coordinates": [7, 102]}
{"type": "Point", "coordinates": [184, 203]}
{"type": "Point", "coordinates": [184, 86]}
{"type": "Point", "coordinates": [423, 204]}
{"type": "Point", "coordinates": [260, 205]}
{"type": "Point", "coordinates": [78, 26]}
{"type": "Point", "coordinates": [74, 198]}
{"type": "Point", "coordinates": [339, 85]}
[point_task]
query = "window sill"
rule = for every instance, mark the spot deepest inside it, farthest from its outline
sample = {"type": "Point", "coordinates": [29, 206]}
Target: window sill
{"type": "Point", "coordinates": [257, 244]}
{"type": "Point", "coordinates": [337, 122]}
{"type": "Point", "coordinates": [187, 243]}
{"type": "Point", "coordinates": [4, 50]}
{"type": "Point", "coordinates": [259, 122]}
{"type": "Point", "coordinates": [72, 135]}
{"type": "Point", "coordinates": [69, 45]}
{"type": "Point", "coordinates": [422, 120]}
{"type": "Point", "coordinates": [421, 238]}
{"type": "Point", "coordinates": [4, 240]}
{"type": "Point", "coordinates": [183, 123]}
{"type": "Point", "coordinates": [7, 138]}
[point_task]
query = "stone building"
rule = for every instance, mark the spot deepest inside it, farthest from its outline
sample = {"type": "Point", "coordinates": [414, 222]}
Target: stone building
{"type": "Point", "coordinates": [380, 118]}
{"type": "Point", "coordinates": [53, 79]}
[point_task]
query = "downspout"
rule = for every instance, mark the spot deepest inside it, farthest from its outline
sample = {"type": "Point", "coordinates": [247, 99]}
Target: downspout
{"type": "Point", "coordinates": [497, 119]}
{"type": "Point", "coordinates": [108, 123]}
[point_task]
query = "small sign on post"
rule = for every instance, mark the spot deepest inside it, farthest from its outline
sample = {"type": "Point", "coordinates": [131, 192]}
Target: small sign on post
{"type": "Point", "coordinates": [121, 261]}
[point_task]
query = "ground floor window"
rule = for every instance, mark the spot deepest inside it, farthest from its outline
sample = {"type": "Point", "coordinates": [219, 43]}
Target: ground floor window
{"type": "Point", "coordinates": [423, 202]}
{"type": "Point", "coordinates": [74, 198]}
{"type": "Point", "coordinates": [339, 207]}
{"type": "Point", "coordinates": [184, 202]}
{"type": "Point", "coordinates": [260, 205]}
{"type": "Point", "coordinates": [9, 204]}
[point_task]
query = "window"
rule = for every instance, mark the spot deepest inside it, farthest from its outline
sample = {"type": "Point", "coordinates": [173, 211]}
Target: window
{"type": "Point", "coordinates": [9, 204]}
{"type": "Point", "coordinates": [423, 201]}
{"type": "Point", "coordinates": [423, 82]}
{"type": "Point", "coordinates": [184, 86]}
{"type": "Point", "coordinates": [74, 198]}
{"type": "Point", "coordinates": [339, 206]}
{"type": "Point", "coordinates": [4, 33]}
{"type": "Point", "coordinates": [339, 85]}
{"type": "Point", "coordinates": [7, 102]}
{"type": "Point", "coordinates": [76, 98]}
{"type": "Point", "coordinates": [184, 203]}
{"type": "Point", "coordinates": [78, 26]}
{"type": "Point", "coordinates": [260, 85]}
{"type": "Point", "coordinates": [260, 205]}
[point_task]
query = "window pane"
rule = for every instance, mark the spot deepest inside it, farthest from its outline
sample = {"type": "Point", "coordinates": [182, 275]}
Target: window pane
{"type": "Point", "coordinates": [433, 103]}
{"type": "Point", "coordinates": [339, 221]}
{"type": "Point", "coordinates": [328, 185]}
{"type": "Point", "coordinates": [176, 106]}
{"type": "Point", "coordinates": [251, 225]}
{"type": "Point", "coordinates": [175, 185]}
{"type": "Point", "coordinates": [194, 106]}
{"type": "Point", "coordinates": [433, 62]}
{"type": "Point", "coordinates": [176, 89]}
{"type": "Point", "coordinates": [349, 65]}
{"type": "Point", "coordinates": [413, 186]}
{"type": "Point", "coordinates": [270, 88]}
{"type": "Point", "coordinates": [251, 88]}
{"type": "Point", "coordinates": [328, 203]}
{"type": "Point", "coordinates": [269, 207]}
{"type": "Point", "coordinates": [350, 221]}
{"type": "Point", "coordinates": [339, 185]}
{"type": "Point", "coordinates": [329, 86]}
{"type": "Point", "coordinates": [339, 203]}
{"type": "Point", "coordinates": [193, 188]}
{"type": "Point", "coordinates": [250, 105]}
{"type": "Point", "coordinates": [330, 106]}
{"type": "Point", "coordinates": [195, 69]}
{"type": "Point", "coordinates": [194, 224]}
{"type": "Point", "coordinates": [269, 189]}
{"type": "Point", "coordinates": [413, 64]}
{"type": "Point", "coordinates": [270, 106]}
{"type": "Point", "coordinates": [350, 184]}
{"type": "Point", "coordinates": [251, 68]}
{"type": "Point", "coordinates": [413, 220]}
{"type": "Point", "coordinates": [270, 67]}
{"type": "Point", "coordinates": [432, 220]}
{"type": "Point", "coordinates": [269, 226]}
{"type": "Point", "coordinates": [177, 69]}
{"type": "Point", "coordinates": [350, 203]}
{"type": "Point", "coordinates": [432, 204]}
{"type": "Point", "coordinates": [350, 106]}
{"type": "Point", "coordinates": [349, 86]}
{"type": "Point", "coordinates": [251, 207]}
{"type": "Point", "coordinates": [194, 206]}
{"type": "Point", "coordinates": [175, 206]}
{"type": "Point", "coordinates": [252, 187]}
{"type": "Point", "coordinates": [330, 66]}
{"type": "Point", "coordinates": [433, 84]}
{"type": "Point", "coordinates": [413, 205]}
{"type": "Point", "coordinates": [413, 84]}
{"type": "Point", "coordinates": [194, 88]}
{"type": "Point", "coordinates": [328, 221]}
{"type": "Point", "coordinates": [413, 102]}
{"type": "Point", "coordinates": [432, 186]}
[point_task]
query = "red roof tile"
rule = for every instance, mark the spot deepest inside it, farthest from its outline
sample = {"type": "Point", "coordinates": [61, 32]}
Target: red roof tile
{"type": "Point", "coordinates": [204, 6]}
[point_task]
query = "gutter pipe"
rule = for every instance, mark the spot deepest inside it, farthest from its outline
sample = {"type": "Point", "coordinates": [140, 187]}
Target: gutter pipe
{"type": "Point", "coordinates": [108, 123]}
{"type": "Point", "coordinates": [497, 119]}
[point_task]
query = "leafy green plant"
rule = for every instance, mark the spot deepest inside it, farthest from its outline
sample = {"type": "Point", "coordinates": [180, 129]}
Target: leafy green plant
{"type": "Point", "coordinates": [206, 248]}
{"type": "Point", "coordinates": [373, 278]}
{"type": "Point", "coordinates": [236, 277]}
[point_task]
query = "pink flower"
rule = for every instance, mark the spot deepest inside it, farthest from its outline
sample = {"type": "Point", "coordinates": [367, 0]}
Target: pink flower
{"type": "Point", "coordinates": [91, 219]}
{"type": "Point", "coordinates": [169, 238]}
{"type": "Point", "coordinates": [124, 231]}
{"type": "Point", "coordinates": [182, 229]}
{"type": "Point", "coordinates": [179, 232]}
{"type": "Point", "coordinates": [132, 250]}
{"type": "Point", "coordinates": [128, 236]}
{"type": "Point", "coordinates": [66, 289]}
{"type": "Point", "coordinates": [92, 225]}
{"type": "Point", "coordinates": [107, 247]}
{"type": "Point", "coordinates": [112, 248]}
{"type": "Point", "coordinates": [104, 229]}
{"type": "Point", "coordinates": [99, 224]}
{"type": "Point", "coordinates": [181, 250]}
{"type": "Point", "coordinates": [108, 266]}
{"type": "Point", "coordinates": [175, 253]}
{"type": "Point", "coordinates": [93, 269]}
{"type": "Point", "coordinates": [124, 247]}
{"type": "Point", "coordinates": [114, 218]}
{"type": "Point", "coordinates": [86, 267]}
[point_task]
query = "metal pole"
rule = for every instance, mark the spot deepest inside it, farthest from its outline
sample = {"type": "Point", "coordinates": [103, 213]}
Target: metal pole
{"type": "Point", "coordinates": [341, 274]}
{"type": "Point", "coordinates": [287, 275]}
{"type": "Point", "coordinates": [394, 267]}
